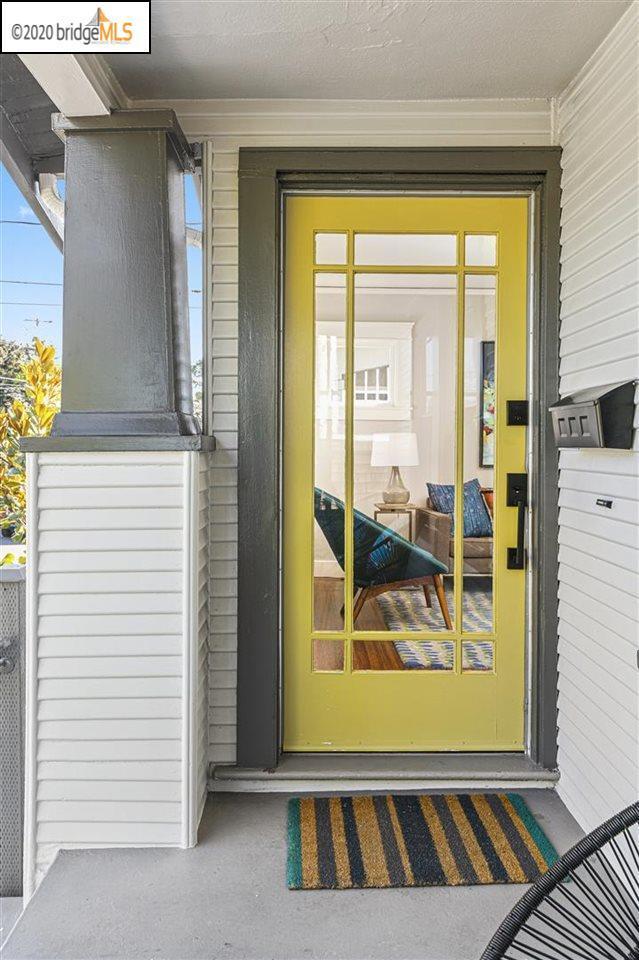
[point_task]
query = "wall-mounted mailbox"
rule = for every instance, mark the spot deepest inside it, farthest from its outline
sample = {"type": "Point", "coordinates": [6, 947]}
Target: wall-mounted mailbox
{"type": "Point", "coordinates": [602, 417]}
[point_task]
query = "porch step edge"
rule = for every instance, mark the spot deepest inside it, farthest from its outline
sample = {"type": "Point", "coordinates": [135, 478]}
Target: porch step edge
{"type": "Point", "coordinates": [338, 774]}
{"type": "Point", "coordinates": [390, 785]}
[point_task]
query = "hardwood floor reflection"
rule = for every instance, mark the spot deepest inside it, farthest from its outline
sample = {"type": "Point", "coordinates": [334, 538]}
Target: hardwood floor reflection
{"type": "Point", "coordinates": [327, 655]}
{"type": "Point", "coordinates": [329, 598]}
{"type": "Point", "coordinates": [380, 655]}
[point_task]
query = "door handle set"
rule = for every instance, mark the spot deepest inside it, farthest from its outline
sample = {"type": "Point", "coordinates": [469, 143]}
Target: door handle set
{"type": "Point", "coordinates": [517, 496]}
{"type": "Point", "coordinates": [517, 415]}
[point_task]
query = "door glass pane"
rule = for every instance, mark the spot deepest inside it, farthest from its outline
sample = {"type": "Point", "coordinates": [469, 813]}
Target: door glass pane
{"type": "Point", "coordinates": [395, 655]}
{"type": "Point", "coordinates": [330, 248]}
{"type": "Point", "coordinates": [480, 250]}
{"type": "Point", "coordinates": [329, 443]}
{"type": "Point", "coordinates": [479, 452]}
{"type": "Point", "coordinates": [328, 655]}
{"type": "Point", "coordinates": [477, 656]}
{"type": "Point", "coordinates": [406, 249]}
{"type": "Point", "coordinates": [404, 449]}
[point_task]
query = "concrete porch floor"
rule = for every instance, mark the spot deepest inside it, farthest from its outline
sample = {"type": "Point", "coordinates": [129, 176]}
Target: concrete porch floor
{"type": "Point", "coordinates": [227, 899]}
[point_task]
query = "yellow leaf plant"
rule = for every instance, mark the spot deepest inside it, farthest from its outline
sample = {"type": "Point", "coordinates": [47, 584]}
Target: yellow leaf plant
{"type": "Point", "coordinates": [30, 416]}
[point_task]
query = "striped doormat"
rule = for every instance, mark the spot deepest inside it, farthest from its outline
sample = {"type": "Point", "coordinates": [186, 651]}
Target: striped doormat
{"type": "Point", "coordinates": [414, 841]}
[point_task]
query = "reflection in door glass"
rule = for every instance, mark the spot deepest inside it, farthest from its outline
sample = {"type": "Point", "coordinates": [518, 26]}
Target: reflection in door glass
{"type": "Point", "coordinates": [386, 655]}
{"type": "Point", "coordinates": [480, 249]}
{"type": "Point", "coordinates": [403, 448]}
{"type": "Point", "coordinates": [479, 453]}
{"type": "Point", "coordinates": [477, 656]}
{"type": "Point", "coordinates": [405, 249]}
{"type": "Point", "coordinates": [329, 442]}
{"type": "Point", "coordinates": [328, 655]}
{"type": "Point", "coordinates": [331, 248]}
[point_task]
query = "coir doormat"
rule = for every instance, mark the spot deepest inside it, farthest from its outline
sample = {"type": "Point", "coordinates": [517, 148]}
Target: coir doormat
{"type": "Point", "coordinates": [339, 843]}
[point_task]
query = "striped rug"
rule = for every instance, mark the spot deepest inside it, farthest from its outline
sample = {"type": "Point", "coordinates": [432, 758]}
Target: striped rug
{"type": "Point", "coordinates": [338, 843]}
{"type": "Point", "coordinates": [406, 609]}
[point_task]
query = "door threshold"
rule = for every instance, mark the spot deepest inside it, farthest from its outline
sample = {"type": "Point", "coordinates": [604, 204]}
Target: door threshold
{"type": "Point", "coordinates": [312, 773]}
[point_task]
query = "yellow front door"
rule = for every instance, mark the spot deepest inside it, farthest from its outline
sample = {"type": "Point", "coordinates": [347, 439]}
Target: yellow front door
{"type": "Point", "coordinates": [404, 338]}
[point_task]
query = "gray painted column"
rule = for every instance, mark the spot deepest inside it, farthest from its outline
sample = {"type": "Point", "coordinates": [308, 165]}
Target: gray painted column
{"type": "Point", "coordinates": [125, 353]}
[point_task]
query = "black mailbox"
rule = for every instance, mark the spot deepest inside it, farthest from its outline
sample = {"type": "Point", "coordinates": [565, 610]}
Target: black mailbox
{"type": "Point", "coordinates": [602, 417]}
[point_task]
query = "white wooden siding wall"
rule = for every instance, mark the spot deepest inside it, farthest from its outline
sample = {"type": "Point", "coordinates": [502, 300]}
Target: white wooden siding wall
{"type": "Point", "coordinates": [598, 124]}
{"type": "Point", "coordinates": [223, 557]}
{"type": "Point", "coordinates": [202, 680]}
{"type": "Point", "coordinates": [106, 583]}
{"type": "Point", "coordinates": [292, 124]}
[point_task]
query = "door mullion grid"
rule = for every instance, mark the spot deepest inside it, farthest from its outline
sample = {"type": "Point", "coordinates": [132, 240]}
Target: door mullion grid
{"type": "Point", "coordinates": [349, 410]}
{"type": "Point", "coordinates": [458, 560]}
{"type": "Point", "coordinates": [460, 271]}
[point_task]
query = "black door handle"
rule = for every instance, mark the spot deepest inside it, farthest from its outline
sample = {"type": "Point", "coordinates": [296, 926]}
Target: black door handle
{"type": "Point", "coordinates": [517, 496]}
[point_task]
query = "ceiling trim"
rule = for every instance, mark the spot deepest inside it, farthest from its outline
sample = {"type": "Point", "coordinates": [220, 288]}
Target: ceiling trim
{"type": "Point", "coordinates": [346, 122]}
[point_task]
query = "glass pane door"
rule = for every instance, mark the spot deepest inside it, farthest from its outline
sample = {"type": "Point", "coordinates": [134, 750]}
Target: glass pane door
{"type": "Point", "coordinates": [404, 335]}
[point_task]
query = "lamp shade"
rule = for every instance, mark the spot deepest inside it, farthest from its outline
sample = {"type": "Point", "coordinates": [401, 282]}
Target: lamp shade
{"type": "Point", "coordinates": [394, 450]}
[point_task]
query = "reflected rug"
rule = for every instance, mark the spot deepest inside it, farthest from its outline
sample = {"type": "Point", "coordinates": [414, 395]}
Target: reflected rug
{"type": "Point", "coordinates": [405, 610]}
{"type": "Point", "coordinates": [339, 843]}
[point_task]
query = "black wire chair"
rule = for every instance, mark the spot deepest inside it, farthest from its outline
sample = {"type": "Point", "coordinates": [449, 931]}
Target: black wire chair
{"type": "Point", "coordinates": [586, 907]}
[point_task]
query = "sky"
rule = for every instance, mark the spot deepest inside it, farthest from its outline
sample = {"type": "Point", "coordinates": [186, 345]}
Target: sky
{"type": "Point", "coordinates": [31, 272]}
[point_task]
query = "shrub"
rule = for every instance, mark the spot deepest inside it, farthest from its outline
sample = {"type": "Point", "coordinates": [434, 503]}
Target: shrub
{"type": "Point", "coordinates": [30, 416]}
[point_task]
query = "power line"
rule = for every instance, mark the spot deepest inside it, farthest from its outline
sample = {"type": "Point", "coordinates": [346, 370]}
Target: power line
{"type": "Point", "coordinates": [34, 283]}
{"type": "Point", "coordinates": [37, 303]}
{"type": "Point", "coordinates": [46, 283]}
{"type": "Point", "coordinates": [26, 223]}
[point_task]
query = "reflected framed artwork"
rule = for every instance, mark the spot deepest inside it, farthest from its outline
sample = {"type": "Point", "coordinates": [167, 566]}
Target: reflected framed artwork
{"type": "Point", "coordinates": [487, 406]}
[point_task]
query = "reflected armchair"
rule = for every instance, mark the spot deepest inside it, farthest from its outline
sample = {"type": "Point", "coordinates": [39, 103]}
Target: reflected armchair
{"type": "Point", "coordinates": [382, 559]}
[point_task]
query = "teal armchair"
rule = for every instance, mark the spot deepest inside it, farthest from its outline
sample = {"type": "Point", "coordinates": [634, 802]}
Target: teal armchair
{"type": "Point", "coordinates": [382, 559]}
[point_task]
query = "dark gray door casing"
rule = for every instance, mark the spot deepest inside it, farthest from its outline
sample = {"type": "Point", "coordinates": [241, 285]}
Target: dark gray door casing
{"type": "Point", "coordinates": [264, 177]}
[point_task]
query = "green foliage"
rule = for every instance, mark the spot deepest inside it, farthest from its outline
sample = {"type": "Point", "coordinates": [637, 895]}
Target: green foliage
{"type": "Point", "coordinates": [29, 416]}
{"type": "Point", "coordinates": [13, 357]}
{"type": "Point", "coordinates": [196, 377]}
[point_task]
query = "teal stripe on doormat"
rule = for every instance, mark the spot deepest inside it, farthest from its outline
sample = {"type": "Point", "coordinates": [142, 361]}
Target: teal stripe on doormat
{"type": "Point", "coordinates": [546, 848]}
{"type": "Point", "coordinates": [294, 860]}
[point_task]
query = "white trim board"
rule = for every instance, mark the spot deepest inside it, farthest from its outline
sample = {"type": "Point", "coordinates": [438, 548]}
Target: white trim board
{"type": "Point", "coordinates": [79, 84]}
{"type": "Point", "coordinates": [319, 123]}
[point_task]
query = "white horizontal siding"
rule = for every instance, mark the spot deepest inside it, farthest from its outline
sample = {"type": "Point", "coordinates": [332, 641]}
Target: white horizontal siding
{"type": "Point", "coordinates": [598, 127]}
{"type": "Point", "coordinates": [222, 659]}
{"type": "Point", "coordinates": [201, 751]}
{"type": "Point", "coordinates": [108, 600]}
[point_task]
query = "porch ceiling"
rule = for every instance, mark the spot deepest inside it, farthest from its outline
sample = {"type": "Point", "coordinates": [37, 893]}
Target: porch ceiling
{"type": "Point", "coordinates": [374, 50]}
